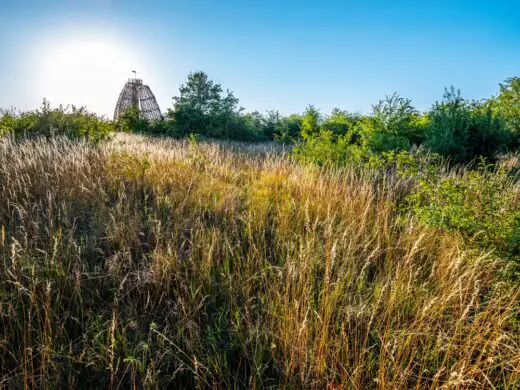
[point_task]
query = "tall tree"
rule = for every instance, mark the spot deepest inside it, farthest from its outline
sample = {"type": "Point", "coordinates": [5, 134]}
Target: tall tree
{"type": "Point", "coordinates": [463, 129]}
{"type": "Point", "coordinates": [311, 122]}
{"type": "Point", "coordinates": [391, 125]}
{"type": "Point", "coordinates": [340, 122]}
{"type": "Point", "coordinates": [509, 103]}
{"type": "Point", "coordinates": [202, 107]}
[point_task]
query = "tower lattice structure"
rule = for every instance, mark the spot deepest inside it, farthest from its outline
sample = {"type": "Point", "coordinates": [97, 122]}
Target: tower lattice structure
{"type": "Point", "coordinates": [136, 94]}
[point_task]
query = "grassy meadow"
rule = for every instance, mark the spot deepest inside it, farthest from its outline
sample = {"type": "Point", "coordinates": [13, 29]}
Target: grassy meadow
{"type": "Point", "coordinates": [159, 263]}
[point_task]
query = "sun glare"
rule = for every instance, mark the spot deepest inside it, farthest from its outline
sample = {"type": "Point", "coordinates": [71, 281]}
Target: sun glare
{"type": "Point", "coordinates": [86, 72]}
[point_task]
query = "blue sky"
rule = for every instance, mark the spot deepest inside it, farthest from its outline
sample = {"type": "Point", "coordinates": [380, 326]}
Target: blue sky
{"type": "Point", "coordinates": [273, 54]}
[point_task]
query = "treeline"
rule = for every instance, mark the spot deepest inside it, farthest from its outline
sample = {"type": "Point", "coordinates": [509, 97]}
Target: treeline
{"type": "Point", "coordinates": [204, 109]}
{"type": "Point", "coordinates": [454, 127]}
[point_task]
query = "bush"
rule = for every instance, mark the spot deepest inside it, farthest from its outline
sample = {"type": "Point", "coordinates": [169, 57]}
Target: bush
{"type": "Point", "coordinates": [311, 121]}
{"type": "Point", "coordinates": [325, 148]}
{"type": "Point", "coordinates": [293, 124]}
{"type": "Point", "coordinates": [67, 121]}
{"type": "Point", "coordinates": [463, 130]}
{"type": "Point", "coordinates": [132, 122]}
{"type": "Point", "coordinates": [455, 128]}
{"type": "Point", "coordinates": [394, 125]}
{"type": "Point", "coordinates": [509, 103]}
{"type": "Point", "coordinates": [340, 122]}
{"type": "Point", "coordinates": [379, 140]}
{"type": "Point", "coordinates": [482, 204]}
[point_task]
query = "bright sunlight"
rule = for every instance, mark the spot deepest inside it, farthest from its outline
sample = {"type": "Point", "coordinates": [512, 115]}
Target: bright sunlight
{"type": "Point", "coordinates": [86, 71]}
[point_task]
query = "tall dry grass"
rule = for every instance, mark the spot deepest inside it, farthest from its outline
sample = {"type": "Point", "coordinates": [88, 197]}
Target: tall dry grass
{"type": "Point", "coordinates": [152, 263]}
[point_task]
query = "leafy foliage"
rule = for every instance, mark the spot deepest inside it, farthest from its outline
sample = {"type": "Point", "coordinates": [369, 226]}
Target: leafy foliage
{"type": "Point", "coordinates": [326, 148]}
{"type": "Point", "coordinates": [480, 204]}
{"type": "Point", "coordinates": [391, 125]}
{"type": "Point", "coordinates": [509, 103]}
{"type": "Point", "coordinates": [132, 122]}
{"type": "Point", "coordinates": [71, 122]}
{"type": "Point", "coordinates": [310, 125]}
{"type": "Point", "coordinates": [464, 130]}
{"type": "Point", "coordinates": [455, 128]}
{"type": "Point", "coordinates": [203, 108]}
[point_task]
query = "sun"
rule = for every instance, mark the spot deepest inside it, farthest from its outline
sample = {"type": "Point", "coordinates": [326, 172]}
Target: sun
{"type": "Point", "coordinates": [86, 71]}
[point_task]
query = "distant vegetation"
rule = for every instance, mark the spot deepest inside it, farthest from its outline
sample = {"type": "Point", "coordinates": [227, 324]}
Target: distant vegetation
{"type": "Point", "coordinates": [454, 127]}
{"type": "Point", "coordinates": [348, 251]}
{"type": "Point", "coordinates": [70, 122]}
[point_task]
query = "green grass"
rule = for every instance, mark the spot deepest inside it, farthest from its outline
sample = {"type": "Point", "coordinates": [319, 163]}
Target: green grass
{"type": "Point", "coordinates": [149, 263]}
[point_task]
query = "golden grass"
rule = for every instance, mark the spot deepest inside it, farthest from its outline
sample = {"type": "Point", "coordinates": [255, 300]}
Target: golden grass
{"type": "Point", "coordinates": [148, 263]}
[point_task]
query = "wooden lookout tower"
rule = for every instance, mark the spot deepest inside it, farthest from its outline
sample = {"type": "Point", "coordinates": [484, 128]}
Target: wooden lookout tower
{"type": "Point", "coordinates": [136, 94]}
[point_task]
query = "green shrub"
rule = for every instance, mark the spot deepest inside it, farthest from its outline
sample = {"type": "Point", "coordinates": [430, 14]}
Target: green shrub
{"type": "Point", "coordinates": [379, 140]}
{"type": "Point", "coordinates": [481, 204]}
{"type": "Point", "coordinates": [463, 130]}
{"type": "Point", "coordinates": [325, 148]}
{"type": "Point", "coordinates": [132, 122]}
{"type": "Point", "coordinates": [455, 128]}
{"type": "Point", "coordinates": [311, 122]}
{"type": "Point", "coordinates": [509, 103]}
{"type": "Point", "coordinates": [394, 125]}
{"type": "Point", "coordinates": [71, 122]}
{"type": "Point", "coordinates": [293, 124]}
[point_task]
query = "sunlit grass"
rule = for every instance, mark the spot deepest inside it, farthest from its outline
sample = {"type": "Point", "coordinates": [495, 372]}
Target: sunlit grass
{"type": "Point", "coordinates": [152, 262]}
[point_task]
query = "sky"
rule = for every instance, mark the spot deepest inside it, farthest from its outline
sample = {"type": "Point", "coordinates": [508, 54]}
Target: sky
{"type": "Point", "coordinates": [281, 55]}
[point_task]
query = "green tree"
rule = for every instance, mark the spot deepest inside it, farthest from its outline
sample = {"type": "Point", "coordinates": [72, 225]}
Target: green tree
{"type": "Point", "coordinates": [463, 130]}
{"type": "Point", "coordinates": [272, 125]}
{"type": "Point", "coordinates": [132, 122]}
{"type": "Point", "coordinates": [448, 130]}
{"type": "Point", "coordinates": [509, 103]}
{"type": "Point", "coordinates": [340, 122]}
{"type": "Point", "coordinates": [391, 126]}
{"type": "Point", "coordinates": [293, 125]}
{"type": "Point", "coordinates": [310, 122]}
{"type": "Point", "coordinates": [202, 107]}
